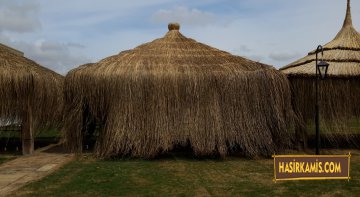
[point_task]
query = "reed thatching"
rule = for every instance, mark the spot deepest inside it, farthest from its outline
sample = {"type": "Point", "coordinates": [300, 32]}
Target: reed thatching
{"type": "Point", "coordinates": [27, 87]}
{"type": "Point", "coordinates": [340, 93]}
{"type": "Point", "coordinates": [176, 91]}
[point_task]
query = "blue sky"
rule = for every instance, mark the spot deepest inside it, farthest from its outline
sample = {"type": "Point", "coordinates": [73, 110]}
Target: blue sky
{"type": "Point", "coordinates": [62, 35]}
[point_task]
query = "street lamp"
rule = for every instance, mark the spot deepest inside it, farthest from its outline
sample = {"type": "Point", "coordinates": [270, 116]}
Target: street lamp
{"type": "Point", "coordinates": [321, 72]}
{"type": "Point", "coordinates": [322, 69]}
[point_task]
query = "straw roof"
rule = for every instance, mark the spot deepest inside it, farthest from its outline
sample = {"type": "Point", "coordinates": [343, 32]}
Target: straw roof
{"type": "Point", "coordinates": [4, 47]}
{"type": "Point", "coordinates": [342, 53]}
{"type": "Point", "coordinates": [24, 84]}
{"type": "Point", "coordinates": [339, 94]}
{"type": "Point", "coordinates": [176, 91]}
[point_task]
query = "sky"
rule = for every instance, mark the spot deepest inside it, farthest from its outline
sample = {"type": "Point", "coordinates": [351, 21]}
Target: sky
{"type": "Point", "coordinates": [62, 35]}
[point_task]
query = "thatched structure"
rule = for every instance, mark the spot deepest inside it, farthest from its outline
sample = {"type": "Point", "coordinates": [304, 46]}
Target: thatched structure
{"type": "Point", "coordinates": [340, 93]}
{"type": "Point", "coordinates": [176, 91]}
{"type": "Point", "coordinates": [29, 94]}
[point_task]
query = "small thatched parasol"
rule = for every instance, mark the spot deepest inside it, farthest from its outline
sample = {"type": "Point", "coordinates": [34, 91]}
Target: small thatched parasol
{"type": "Point", "coordinates": [176, 91]}
{"type": "Point", "coordinates": [29, 94]}
{"type": "Point", "coordinates": [340, 94]}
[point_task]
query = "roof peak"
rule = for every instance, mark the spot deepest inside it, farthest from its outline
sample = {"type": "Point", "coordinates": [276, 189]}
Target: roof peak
{"type": "Point", "coordinates": [348, 20]}
{"type": "Point", "coordinates": [174, 26]}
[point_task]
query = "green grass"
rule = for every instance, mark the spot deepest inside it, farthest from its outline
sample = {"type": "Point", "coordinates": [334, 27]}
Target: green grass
{"type": "Point", "coordinates": [352, 127]}
{"type": "Point", "coordinates": [2, 160]}
{"type": "Point", "coordinates": [48, 133]}
{"type": "Point", "coordinates": [5, 158]}
{"type": "Point", "coordinates": [183, 176]}
{"type": "Point", "coordinates": [42, 133]}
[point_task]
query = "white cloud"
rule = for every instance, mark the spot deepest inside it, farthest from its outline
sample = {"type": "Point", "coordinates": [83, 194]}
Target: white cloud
{"type": "Point", "coordinates": [284, 57]}
{"type": "Point", "coordinates": [19, 17]}
{"type": "Point", "coordinates": [241, 49]}
{"type": "Point", "coordinates": [75, 45]}
{"type": "Point", "coordinates": [60, 57]}
{"type": "Point", "coordinates": [54, 55]}
{"type": "Point", "coordinates": [258, 29]}
{"type": "Point", "coordinates": [256, 58]}
{"type": "Point", "coordinates": [183, 15]}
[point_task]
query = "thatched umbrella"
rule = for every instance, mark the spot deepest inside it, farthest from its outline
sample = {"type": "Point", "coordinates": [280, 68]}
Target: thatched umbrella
{"type": "Point", "coordinates": [340, 94]}
{"type": "Point", "coordinates": [29, 94]}
{"type": "Point", "coordinates": [176, 91]}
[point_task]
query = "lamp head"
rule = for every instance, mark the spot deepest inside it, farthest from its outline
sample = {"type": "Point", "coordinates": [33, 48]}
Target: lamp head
{"type": "Point", "coordinates": [322, 67]}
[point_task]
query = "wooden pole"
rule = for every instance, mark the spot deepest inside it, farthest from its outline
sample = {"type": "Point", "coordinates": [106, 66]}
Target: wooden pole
{"type": "Point", "coordinates": [27, 132]}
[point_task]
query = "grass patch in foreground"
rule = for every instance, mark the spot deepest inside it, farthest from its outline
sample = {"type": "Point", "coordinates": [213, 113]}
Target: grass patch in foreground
{"type": "Point", "coordinates": [5, 158]}
{"type": "Point", "coordinates": [41, 133]}
{"type": "Point", "coordinates": [179, 176]}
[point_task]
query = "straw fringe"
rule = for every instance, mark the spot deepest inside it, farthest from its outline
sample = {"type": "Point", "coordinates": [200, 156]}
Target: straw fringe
{"type": "Point", "coordinates": [175, 91]}
{"type": "Point", "coordinates": [339, 104]}
{"type": "Point", "coordinates": [340, 94]}
{"type": "Point", "coordinates": [23, 83]}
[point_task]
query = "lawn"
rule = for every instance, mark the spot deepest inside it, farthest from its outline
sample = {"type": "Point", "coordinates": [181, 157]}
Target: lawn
{"type": "Point", "coordinates": [41, 133]}
{"type": "Point", "coordinates": [10, 139]}
{"type": "Point", "coordinates": [5, 158]}
{"type": "Point", "coordinates": [184, 176]}
{"type": "Point", "coordinates": [2, 160]}
{"type": "Point", "coordinates": [352, 126]}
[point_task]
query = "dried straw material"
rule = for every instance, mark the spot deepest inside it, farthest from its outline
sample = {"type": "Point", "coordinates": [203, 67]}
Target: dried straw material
{"type": "Point", "coordinates": [176, 91]}
{"type": "Point", "coordinates": [24, 84]}
{"type": "Point", "coordinates": [340, 94]}
{"type": "Point", "coordinates": [343, 53]}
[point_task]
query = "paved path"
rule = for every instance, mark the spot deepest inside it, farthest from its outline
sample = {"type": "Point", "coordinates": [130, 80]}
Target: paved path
{"type": "Point", "coordinates": [22, 170]}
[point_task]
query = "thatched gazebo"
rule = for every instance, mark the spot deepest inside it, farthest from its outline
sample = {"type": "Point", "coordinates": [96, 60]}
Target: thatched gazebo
{"type": "Point", "coordinates": [175, 91]}
{"type": "Point", "coordinates": [340, 93]}
{"type": "Point", "coordinates": [30, 95]}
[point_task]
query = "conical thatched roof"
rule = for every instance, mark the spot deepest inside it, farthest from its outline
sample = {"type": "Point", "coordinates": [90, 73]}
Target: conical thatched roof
{"type": "Point", "coordinates": [176, 91]}
{"type": "Point", "coordinates": [24, 84]}
{"type": "Point", "coordinates": [342, 53]}
{"type": "Point", "coordinates": [339, 94]}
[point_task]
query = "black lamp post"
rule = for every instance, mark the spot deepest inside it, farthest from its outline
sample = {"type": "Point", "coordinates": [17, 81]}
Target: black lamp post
{"type": "Point", "coordinates": [321, 72]}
